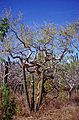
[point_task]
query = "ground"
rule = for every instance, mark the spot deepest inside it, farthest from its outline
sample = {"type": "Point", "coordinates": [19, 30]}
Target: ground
{"type": "Point", "coordinates": [53, 109]}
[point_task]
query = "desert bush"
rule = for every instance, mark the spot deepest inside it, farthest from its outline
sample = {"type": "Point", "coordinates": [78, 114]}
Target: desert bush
{"type": "Point", "coordinates": [0, 116]}
{"type": "Point", "coordinates": [7, 106]}
{"type": "Point", "coordinates": [47, 86]}
{"type": "Point", "coordinates": [62, 96]}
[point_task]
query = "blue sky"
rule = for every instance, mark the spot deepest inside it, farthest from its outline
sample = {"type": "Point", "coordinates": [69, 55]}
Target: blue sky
{"type": "Point", "coordinates": [38, 11]}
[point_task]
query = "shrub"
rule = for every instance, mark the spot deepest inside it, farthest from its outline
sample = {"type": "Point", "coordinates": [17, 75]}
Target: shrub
{"type": "Point", "coordinates": [7, 106]}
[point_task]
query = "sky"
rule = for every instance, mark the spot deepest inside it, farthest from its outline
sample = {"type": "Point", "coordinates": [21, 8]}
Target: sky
{"type": "Point", "coordinates": [39, 11]}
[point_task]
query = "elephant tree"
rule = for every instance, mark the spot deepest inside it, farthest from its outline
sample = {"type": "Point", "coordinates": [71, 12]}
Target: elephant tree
{"type": "Point", "coordinates": [38, 50]}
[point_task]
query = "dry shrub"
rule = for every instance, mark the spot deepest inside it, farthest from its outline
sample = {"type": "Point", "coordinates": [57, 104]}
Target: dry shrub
{"type": "Point", "coordinates": [21, 108]}
{"type": "Point", "coordinates": [63, 96]}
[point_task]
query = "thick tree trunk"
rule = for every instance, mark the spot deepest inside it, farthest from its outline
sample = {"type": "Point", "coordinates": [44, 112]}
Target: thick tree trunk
{"type": "Point", "coordinates": [32, 99]}
{"type": "Point", "coordinates": [41, 92]}
{"type": "Point", "coordinates": [25, 87]}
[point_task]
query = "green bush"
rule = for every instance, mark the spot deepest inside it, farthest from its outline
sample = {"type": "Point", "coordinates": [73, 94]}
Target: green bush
{"type": "Point", "coordinates": [5, 96]}
{"type": "Point", "coordinates": [8, 107]}
{"type": "Point", "coordinates": [0, 116]}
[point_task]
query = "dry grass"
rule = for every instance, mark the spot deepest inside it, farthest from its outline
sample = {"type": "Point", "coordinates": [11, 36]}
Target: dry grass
{"type": "Point", "coordinates": [51, 110]}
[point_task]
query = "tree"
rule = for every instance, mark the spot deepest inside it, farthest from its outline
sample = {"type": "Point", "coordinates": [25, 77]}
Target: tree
{"type": "Point", "coordinates": [37, 49]}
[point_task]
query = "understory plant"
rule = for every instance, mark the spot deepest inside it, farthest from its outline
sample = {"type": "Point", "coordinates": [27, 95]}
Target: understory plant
{"type": "Point", "coordinates": [7, 106]}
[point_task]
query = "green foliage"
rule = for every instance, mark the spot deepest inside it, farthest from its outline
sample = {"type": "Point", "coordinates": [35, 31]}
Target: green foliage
{"type": "Point", "coordinates": [5, 97]}
{"type": "Point", "coordinates": [7, 116]}
{"type": "Point", "coordinates": [47, 86]}
{"type": "Point", "coordinates": [0, 116]}
{"type": "Point", "coordinates": [18, 109]}
{"type": "Point", "coordinates": [2, 60]}
{"type": "Point", "coordinates": [62, 96]}
{"type": "Point", "coordinates": [8, 106]}
{"type": "Point", "coordinates": [4, 26]}
{"type": "Point", "coordinates": [5, 101]}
